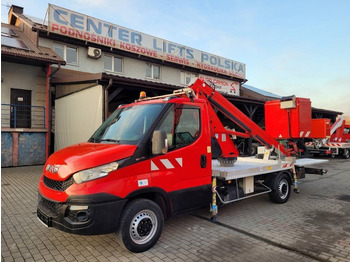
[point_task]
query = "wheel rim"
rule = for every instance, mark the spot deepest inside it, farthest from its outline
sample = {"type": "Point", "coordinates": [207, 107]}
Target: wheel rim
{"type": "Point", "coordinates": [347, 153]}
{"type": "Point", "coordinates": [283, 188]}
{"type": "Point", "coordinates": [143, 226]}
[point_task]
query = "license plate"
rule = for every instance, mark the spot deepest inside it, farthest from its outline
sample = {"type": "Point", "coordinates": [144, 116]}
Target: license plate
{"type": "Point", "coordinates": [45, 220]}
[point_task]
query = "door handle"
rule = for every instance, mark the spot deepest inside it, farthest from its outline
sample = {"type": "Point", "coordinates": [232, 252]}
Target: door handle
{"type": "Point", "coordinates": [203, 161]}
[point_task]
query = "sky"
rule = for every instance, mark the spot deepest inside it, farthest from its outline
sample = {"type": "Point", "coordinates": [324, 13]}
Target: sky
{"type": "Point", "coordinates": [294, 47]}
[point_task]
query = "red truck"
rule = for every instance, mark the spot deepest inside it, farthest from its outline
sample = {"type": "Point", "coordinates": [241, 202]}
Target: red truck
{"type": "Point", "coordinates": [156, 158]}
{"type": "Point", "coordinates": [335, 142]}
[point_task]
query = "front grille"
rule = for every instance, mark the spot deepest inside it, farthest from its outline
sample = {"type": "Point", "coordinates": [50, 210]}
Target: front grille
{"type": "Point", "coordinates": [51, 205]}
{"type": "Point", "coordinates": [58, 185]}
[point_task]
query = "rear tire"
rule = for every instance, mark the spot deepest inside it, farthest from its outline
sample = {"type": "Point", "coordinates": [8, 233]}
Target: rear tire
{"type": "Point", "coordinates": [346, 153]}
{"type": "Point", "coordinates": [281, 188]}
{"type": "Point", "coordinates": [140, 225]}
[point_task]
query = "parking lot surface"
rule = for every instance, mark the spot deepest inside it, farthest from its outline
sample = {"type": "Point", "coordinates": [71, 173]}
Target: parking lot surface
{"type": "Point", "coordinates": [312, 226]}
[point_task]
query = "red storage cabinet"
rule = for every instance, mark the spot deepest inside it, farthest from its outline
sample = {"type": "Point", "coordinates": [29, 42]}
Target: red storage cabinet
{"type": "Point", "coordinates": [320, 128]}
{"type": "Point", "coordinates": [288, 119]}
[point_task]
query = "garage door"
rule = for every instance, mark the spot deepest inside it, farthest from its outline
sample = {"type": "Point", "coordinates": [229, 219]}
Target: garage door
{"type": "Point", "coordinates": [78, 116]}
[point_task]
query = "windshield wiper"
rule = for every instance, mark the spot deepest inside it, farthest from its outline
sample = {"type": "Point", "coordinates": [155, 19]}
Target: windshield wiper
{"type": "Point", "coordinates": [109, 140]}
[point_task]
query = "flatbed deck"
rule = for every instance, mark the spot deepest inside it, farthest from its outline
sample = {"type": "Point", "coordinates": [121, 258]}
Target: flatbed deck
{"type": "Point", "coordinates": [251, 166]}
{"type": "Point", "coordinates": [300, 162]}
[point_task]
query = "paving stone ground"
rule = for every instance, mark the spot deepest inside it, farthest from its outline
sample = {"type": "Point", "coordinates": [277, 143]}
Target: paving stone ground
{"type": "Point", "coordinates": [312, 226]}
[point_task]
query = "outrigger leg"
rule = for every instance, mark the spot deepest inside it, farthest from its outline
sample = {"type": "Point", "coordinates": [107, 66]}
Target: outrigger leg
{"type": "Point", "coordinates": [295, 189]}
{"type": "Point", "coordinates": [214, 207]}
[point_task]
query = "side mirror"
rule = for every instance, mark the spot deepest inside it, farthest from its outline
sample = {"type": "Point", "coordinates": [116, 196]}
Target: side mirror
{"type": "Point", "coordinates": [159, 142]}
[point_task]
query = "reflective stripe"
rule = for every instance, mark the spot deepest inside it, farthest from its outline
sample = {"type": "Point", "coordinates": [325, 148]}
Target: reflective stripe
{"type": "Point", "coordinates": [153, 166]}
{"type": "Point", "coordinates": [167, 163]}
{"type": "Point", "coordinates": [223, 137]}
{"type": "Point", "coordinates": [179, 161]}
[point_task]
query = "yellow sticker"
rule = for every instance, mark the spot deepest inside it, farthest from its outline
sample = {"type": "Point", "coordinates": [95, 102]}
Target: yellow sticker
{"type": "Point", "coordinates": [269, 168]}
{"type": "Point", "coordinates": [208, 149]}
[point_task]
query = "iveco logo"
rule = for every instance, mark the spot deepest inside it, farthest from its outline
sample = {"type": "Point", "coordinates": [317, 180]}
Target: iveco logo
{"type": "Point", "coordinates": [53, 168]}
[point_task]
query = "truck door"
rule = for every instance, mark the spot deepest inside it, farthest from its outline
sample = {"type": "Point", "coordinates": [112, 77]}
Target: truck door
{"type": "Point", "coordinates": [185, 170]}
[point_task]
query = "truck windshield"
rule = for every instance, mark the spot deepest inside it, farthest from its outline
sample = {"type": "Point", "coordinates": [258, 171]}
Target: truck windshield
{"type": "Point", "coordinates": [127, 125]}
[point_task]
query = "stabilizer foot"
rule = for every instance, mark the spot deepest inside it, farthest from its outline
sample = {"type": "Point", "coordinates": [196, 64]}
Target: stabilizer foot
{"type": "Point", "coordinates": [214, 219]}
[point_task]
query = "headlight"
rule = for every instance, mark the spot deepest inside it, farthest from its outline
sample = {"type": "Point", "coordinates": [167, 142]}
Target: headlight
{"type": "Point", "coordinates": [94, 173]}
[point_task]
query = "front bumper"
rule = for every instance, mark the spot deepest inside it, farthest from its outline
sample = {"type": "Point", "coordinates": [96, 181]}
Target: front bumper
{"type": "Point", "coordinates": [82, 215]}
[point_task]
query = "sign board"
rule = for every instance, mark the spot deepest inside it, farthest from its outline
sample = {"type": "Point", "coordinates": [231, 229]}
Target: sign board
{"type": "Point", "coordinates": [223, 86]}
{"type": "Point", "coordinates": [72, 24]}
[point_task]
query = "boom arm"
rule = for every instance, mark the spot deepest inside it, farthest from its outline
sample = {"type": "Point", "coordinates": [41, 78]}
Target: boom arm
{"type": "Point", "coordinates": [338, 129]}
{"type": "Point", "coordinates": [216, 101]}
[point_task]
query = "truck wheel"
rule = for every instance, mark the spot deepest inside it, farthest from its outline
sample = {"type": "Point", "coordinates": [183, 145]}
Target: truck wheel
{"type": "Point", "coordinates": [280, 188]}
{"type": "Point", "coordinates": [346, 153]}
{"type": "Point", "coordinates": [140, 225]}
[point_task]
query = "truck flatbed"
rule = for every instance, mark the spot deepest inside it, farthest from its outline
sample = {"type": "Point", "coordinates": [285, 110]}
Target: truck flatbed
{"type": "Point", "coordinates": [302, 162]}
{"type": "Point", "coordinates": [251, 166]}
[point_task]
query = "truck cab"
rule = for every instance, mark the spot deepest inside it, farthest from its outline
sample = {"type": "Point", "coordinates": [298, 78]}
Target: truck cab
{"type": "Point", "coordinates": [148, 161]}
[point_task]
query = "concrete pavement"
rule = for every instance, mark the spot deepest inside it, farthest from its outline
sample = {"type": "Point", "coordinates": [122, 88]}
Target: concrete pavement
{"type": "Point", "coordinates": [312, 226]}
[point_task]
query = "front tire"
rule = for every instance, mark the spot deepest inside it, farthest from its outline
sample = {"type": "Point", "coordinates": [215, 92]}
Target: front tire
{"type": "Point", "coordinates": [281, 188]}
{"type": "Point", "coordinates": [346, 153]}
{"type": "Point", "coordinates": [140, 225]}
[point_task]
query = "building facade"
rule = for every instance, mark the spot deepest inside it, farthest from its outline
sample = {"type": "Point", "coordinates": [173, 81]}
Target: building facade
{"type": "Point", "coordinates": [108, 65]}
{"type": "Point", "coordinates": [96, 66]}
{"type": "Point", "coordinates": [25, 78]}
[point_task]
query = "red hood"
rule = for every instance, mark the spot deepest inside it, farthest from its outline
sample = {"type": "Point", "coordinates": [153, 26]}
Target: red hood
{"type": "Point", "coordinates": [85, 155]}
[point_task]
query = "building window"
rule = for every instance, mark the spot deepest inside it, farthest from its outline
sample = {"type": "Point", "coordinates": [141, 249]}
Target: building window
{"type": "Point", "coordinates": [187, 77]}
{"type": "Point", "coordinates": [152, 71]}
{"type": "Point", "coordinates": [69, 54]}
{"type": "Point", "coordinates": [113, 64]}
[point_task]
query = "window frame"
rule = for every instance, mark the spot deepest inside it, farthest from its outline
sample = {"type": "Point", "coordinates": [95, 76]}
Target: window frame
{"type": "Point", "coordinates": [183, 76]}
{"type": "Point", "coordinates": [113, 57]}
{"type": "Point", "coordinates": [152, 66]}
{"type": "Point", "coordinates": [65, 53]}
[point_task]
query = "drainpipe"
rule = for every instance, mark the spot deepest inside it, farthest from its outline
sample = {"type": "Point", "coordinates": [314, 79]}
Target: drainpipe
{"type": "Point", "coordinates": [48, 121]}
{"type": "Point", "coordinates": [110, 83]}
{"type": "Point", "coordinates": [47, 113]}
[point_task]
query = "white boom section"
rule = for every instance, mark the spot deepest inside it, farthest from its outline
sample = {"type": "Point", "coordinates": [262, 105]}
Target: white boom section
{"type": "Point", "coordinates": [337, 125]}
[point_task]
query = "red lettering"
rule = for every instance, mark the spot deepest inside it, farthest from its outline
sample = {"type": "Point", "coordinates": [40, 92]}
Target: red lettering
{"type": "Point", "coordinates": [79, 34]}
{"type": "Point", "coordinates": [71, 32]}
{"type": "Point", "coordinates": [100, 39]}
{"type": "Point", "coordinates": [55, 27]}
{"type": "Point", "coordinates": [86, 36]}
{"type": "Point", "coordinates": [63, 30]}
{"type": "Point", "coordinates": [149, 52]}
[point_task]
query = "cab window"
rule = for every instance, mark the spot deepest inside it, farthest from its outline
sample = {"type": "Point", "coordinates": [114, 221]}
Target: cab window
{"type": "Point", "coordinates": [182, 126]}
